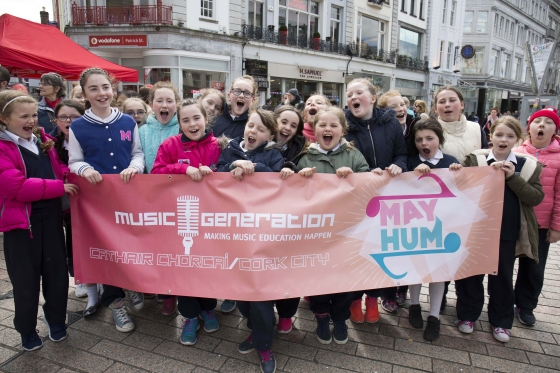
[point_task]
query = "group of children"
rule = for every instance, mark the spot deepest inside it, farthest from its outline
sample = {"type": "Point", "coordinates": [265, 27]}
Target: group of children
{"type": "Point", "coordinates": [233, 136]}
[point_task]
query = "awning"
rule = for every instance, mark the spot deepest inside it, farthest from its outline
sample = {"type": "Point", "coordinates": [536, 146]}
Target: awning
{"type": "Point", "coordinates": [30, 49]}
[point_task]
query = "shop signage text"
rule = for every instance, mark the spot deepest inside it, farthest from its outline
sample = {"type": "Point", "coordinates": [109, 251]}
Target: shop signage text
{"type": "Point", "coordinates": [310, 74]}
{"type": "Point", "coordinates": [256, 67]}
{"type": "Point", "coordinates": [442, 80]}
{"type": "Point", "coordinates": [116, 40]}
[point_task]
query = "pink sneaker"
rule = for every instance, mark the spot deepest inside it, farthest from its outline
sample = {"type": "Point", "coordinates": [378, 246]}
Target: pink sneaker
{"type": "Point", "coordinates": [284, 325]}
{"type": "Point", "coordinates": [169, 306]}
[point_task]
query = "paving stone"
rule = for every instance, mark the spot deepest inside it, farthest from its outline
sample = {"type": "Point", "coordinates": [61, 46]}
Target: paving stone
{"type": "Point", "coordinates": [403, 333]}
{"type": "Point", "coordinates": [399, 369]}
{"type": "Point", "coordinates": [141, 340]}
{"type": "Point", "coordinates": [99, 328]}
{"type": "Point", "coordinates": [236, 366]}
{"type": "Point", "coordinates": [294, 349]}
{"type": "Point", "coordinates": [507, 353]}
{"type": "Point", "coordinates": [437, 352]}
{"type": "Point", "coordinates": [544, 360]}
{"type": "Point", "coordinates": [296, 336]}
{"type": "Point", "coordinates": [550, 349]}
{"type": "Point", "coordinates": [298, 365]}
{"type": "Point", "coordinates": [348, 348]}
{"type": "Point", "coordinates": [440, 366]}
{"type": "Point", "coordinates": [354, 363]}
{"type": "Point", "coordinates": [373, 339]}
{"type": "Point", "coordinates": [30, 363]}
{"type": "Point", "coordinates": [231, 350]}
{"type": "Point", "coordinates": [123, 368]}
{"type": "Point", "coordinates": [64, 354]}
{"type": "Point", "coordinates": [202, 370]}
{"type": "Point", "coordinates": [190, 354]}
{"type": "Point", "coordinates": [506, 366]}
{"type": "Point", "coordinates": [459, 343]}
{"type": "Point", "coordinates": [139, 358]}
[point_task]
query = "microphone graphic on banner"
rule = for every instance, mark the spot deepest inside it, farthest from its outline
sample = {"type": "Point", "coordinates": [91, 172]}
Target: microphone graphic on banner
{"type": "Point", "coordinates": [187, 220]}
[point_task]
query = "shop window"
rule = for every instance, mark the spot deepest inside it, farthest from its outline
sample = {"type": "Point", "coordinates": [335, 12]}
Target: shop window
{"type": "Point", "coordinates": [255, 13]}
{"type": "Point", "coordinates": [371, 36]}
{"type": "Point", "coordinates": [331, 91]}
{"type": "Point", "coordinates": [468, 22]}
{"type": "Point", "coordinates": [300, 16]}
{"type": "Point", "coordinates": [335, 24]}
{"type": "Point", "coordinates": [207, 8]}
{"type": "Point", "coordinates": [481, 18]}
{"type": "Point", "coordinates": [409, 43]}
{"type": "Point", "coordinates": [194, 81]}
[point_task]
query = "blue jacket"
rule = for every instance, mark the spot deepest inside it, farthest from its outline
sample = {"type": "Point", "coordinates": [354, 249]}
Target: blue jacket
{"type": "Point", "coordinates": [379, 139]}
{"type": "Point", "coordinates": [226, 125]}
{"type": "Point", "coordinates": [267, 157]}
{"type": "Point", "coordinates": [44, 114]}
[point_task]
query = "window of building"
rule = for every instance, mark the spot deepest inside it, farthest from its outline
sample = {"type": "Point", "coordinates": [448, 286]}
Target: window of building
{"type": "Point", "coordinates": [412, 8]}
{"type": "Point", "coordinates": [409, 43]}
{"type": "Point", "coordinates": [474, 65]}
{"type": "Point", "coordinates": [501, 30]}
{"type": "Point", "coordinates": [453, 11]}
{"type": "Point", "coordinates": [467, 25]}
{"type": "Point", "coordinates": [444, 11]}
{"type": "Point", "coordinates": [527, 73]}
{"type": "Point", "coordinates": [403, 6]}
{"type": "Point", "coordinates": [371, 33]}
{"type": "Point", "coordinates": [504, 68]}
{"type": "Point", "coordinates": [441, 53]}
{"type": "Point", "coordinates": [517, 69]}
{"type": "Point", "coordinates": [335, 24]}
{"type": "Point", "coordinates": [506, 30]}
{"type": "Point", "coordinates": [449, 56]}
{"type": "Point", "coordinates": [519, 34]}
{"type": "Point", "coordinates": [511, 32]}
{"type": "Point", "coordinates": [492, 70]}
{"type": "Point", "coordinates": [300, 16]}
{"type": "Point", "coordinates": [481, 20]}
{"type": "Point", "coordinates": [207, 8]}
{"type": "Point", "coordinates": [255, 13]}
{"type": "Point", "coordinates": [421, 10]}
{"type": "Point", "coordinates": [496, 21]}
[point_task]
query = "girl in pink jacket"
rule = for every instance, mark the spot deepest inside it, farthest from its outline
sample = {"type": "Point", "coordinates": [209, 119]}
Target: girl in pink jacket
{"type": "Point", "coordinates": [194, 152]}
{"type": "Point", "coordinates": [31, 184]}
{"type": "Point", "coordinates": [544, 145]}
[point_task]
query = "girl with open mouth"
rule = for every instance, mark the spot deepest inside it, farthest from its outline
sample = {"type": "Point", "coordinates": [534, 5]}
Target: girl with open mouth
{"type": "Point", "coordinates": [241, 97]}
{"type": "Point", "coordinates": [378, 134]}
{"type": "Point", "coordinates": [543, 144]}
{"type": "Point", "coordinates": [313, 105]}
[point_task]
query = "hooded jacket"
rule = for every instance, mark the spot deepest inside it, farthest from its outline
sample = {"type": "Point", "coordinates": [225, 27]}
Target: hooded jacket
{"type": "Point", "coordinates": [527, 187]}
{"type": "Point", "coordinates": [179, 152]}
{"type": "Point", "coordinates": [345, 156]}
{"type": "Point", "coordinates": [267, 157]}
{"type": "Point", "coordinates": [225, 125]}
{"type": "Point", "coordinates": [380, 138]}
{"type": "Point", "coordinates": [17, 191]}
{"type": "Point", "coordinates": [548, 211]}
{"type": "Point", "coordinates": [152, 135]}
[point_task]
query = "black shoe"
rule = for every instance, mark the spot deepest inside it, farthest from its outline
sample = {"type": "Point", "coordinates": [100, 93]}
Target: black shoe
{"type": "Point", "coordinates": [415, 316]}
{"type": "Point", "coordinates": [431, 333]}
{"type": "Point", "coordinates": [31, 342]}
{"type": "Point", "coordinates": [268, 362]}
{"type": "Point", "coordinates": [443, 303]}
{"type": "Point", "coordinates": [57, 332]}
{"type": "Point", "coordinates": [323, 328]}
{"type": "Point", "coordinates": [524, 316]}
{"type": "Point", "coordinates": [92, 309]}
{"type": "Point", "coordinates": [340, 332]}
{"type": "Point", "coordinates": [246, 346]}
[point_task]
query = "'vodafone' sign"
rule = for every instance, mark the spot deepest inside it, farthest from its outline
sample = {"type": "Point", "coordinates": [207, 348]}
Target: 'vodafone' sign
{"type": "Point", "coordinates": [118, 40]}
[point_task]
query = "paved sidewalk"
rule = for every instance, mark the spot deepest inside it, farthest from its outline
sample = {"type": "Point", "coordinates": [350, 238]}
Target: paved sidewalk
{"type": "Point", "coordinates": [392, 345]}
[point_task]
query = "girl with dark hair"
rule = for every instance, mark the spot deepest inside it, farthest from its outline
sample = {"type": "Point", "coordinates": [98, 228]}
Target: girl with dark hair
{"type": "Point", "coordinates": [52, 89]}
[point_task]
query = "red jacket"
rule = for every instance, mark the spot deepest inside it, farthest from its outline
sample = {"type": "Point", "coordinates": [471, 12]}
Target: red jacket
{"type": "Point", "coordinates": [177, 153]}
{"type": "Point", "coordinates": [17, 191]}
{"type": "Point", "coordinates": [548, 211]}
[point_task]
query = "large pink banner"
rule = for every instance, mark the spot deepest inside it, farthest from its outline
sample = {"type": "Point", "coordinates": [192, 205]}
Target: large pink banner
{"type": "Point", "coordinates": [265, 238]}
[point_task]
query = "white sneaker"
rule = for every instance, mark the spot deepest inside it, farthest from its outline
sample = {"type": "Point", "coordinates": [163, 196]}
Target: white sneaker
{"type": "Point", "coordinates": [465, 326]}
{"type": "Point", "coordinates": [501, 335]}
{"type": "Point", "coordinates": [81, 291]}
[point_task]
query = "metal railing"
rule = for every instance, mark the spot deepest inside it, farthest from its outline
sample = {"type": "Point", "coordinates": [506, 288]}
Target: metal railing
{"type": "Point", "coordinates": [118, 15]}
{"type": "Point", "coordinates": [363, 50]}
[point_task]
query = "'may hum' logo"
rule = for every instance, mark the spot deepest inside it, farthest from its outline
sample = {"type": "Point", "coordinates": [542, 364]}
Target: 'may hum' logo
{"type": "Point", "coordinates": [410, 238]}
{"type": "Point", "coordinates": [187, 220]}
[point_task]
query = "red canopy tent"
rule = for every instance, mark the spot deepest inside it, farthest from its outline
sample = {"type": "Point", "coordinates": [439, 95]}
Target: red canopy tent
{"type": "Point", "coordinates": [30, 49]}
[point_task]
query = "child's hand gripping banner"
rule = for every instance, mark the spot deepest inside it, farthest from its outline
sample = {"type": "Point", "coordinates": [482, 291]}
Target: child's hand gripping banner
{"type": "Point", "coordinates": [265, 238]}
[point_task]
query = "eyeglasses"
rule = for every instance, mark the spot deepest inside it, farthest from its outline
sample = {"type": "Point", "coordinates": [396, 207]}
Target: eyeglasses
{"type": "Point", "coordinates": [65, 118]}
{"type": "Point", "coordinates": [135, 113]}
{"type": "Point", "coordinates": [238, 92]}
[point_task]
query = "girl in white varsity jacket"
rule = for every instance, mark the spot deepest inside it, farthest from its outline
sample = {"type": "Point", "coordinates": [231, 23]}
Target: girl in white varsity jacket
{"type": "Point", "coordinates": [105, 141]}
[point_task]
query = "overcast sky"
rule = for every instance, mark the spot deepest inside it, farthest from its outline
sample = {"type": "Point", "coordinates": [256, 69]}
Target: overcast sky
{"type": "Point", "coordinates": [27, 9]}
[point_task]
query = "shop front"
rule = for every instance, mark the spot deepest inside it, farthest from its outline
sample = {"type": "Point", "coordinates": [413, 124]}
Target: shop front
{"type": "Point", "coordinates": [307, 80]}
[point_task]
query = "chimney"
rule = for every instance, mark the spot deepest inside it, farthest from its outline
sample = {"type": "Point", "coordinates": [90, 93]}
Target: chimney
{"type": "Point", "coordinates": [44, 17]}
